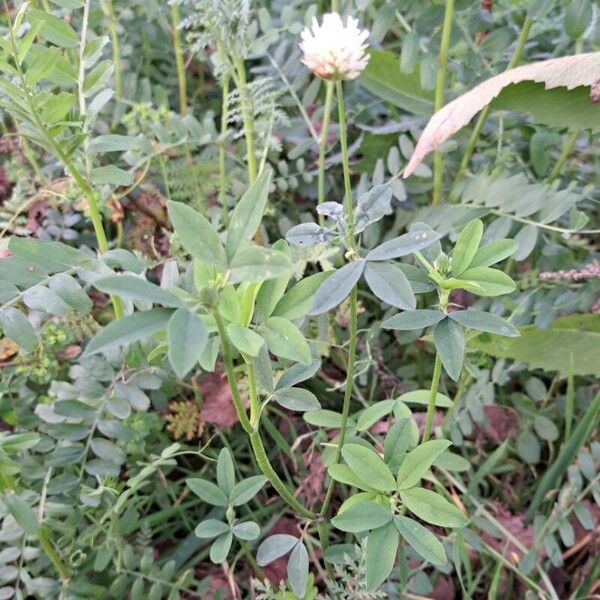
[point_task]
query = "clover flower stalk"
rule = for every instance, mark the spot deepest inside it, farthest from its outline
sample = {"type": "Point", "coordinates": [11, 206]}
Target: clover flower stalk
{"type": "Point", "coordinates": [337, 52]}
{"type": "Point", "coordinates": [332, 51]}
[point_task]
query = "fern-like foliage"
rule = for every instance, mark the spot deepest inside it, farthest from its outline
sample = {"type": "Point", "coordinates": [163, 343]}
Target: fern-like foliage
{"type": "Point", "coordinates": [515, 195]}
{"type": "Point", "coordinates": [510, 196]}
{"type": "Point", "coordinates": [350, 579]}
{"type": "Point", "coordinates": [261, 98]}
{"type": "Point", "coordinates": [524, 209]}
{"type": "Point", "coordinates": [218, 23]}
{"type": "Point", "coordinates": [190, 182]}
{"type": "Point", "coordinates": [225, 30]}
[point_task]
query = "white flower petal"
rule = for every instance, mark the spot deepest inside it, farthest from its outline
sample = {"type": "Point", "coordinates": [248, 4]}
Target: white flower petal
{"type": "Point", "coordinates": [333, 49]}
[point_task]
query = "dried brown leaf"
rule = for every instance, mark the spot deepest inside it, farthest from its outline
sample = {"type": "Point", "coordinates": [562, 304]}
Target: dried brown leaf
{"type": "Point", "coordinates": [568, 71]}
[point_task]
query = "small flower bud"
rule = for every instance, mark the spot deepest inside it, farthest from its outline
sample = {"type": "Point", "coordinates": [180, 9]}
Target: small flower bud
{"type": "Point", "coordinates": [230, 514]}
{"type": "Point", "coordinates": [442, 263]}
{"type": "Point", "coordinates": [208, 296]}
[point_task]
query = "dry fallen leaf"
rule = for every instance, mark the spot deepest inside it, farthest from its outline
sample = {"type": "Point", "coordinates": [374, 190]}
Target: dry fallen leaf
{"type": "Point", "coordinates": [8, 349]}
{"type": "Point", "coordinates": [515, 525]}
{"type": "Point", "coordinates": [569, 72]}
{"type": "Point", "coordinates": [595, 92]}
{"type": "Point", "coordinates": [218, 408]}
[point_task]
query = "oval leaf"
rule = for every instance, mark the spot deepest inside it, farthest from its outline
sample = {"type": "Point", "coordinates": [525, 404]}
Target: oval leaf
{"type": "Point", "coordinates": [417, 462]}
{"type": "Point", "coordinates": [297, 570]}
{"type": "Point", "coordinates": [208, 491]}
{"type": "Point", "coordinates": [248, 212]}
{"type": "Point", "coordinates": [296, 399]}
{"type": "Point", "coordinates": [382, 546]}
{"type": "Point", "coordinates": [337, 287]}
{"type": "Point", "coordinates": [466, 246]}
{"type": "Point", "coordinates": [362, 517]}
{"type": "Point", "coordinates": [432, 508]}
{"type": "Point", "coordinates": [244, 339]}
{"type": "Point", "coordinates": [404, 245]}
{"type": "Point", "coordinates": [450, 345]}
{"type": "Point", "coordinates": [421, 540]}
{"type": "Point", "coordinates": [129, 329]}
{"type": "Point", "coordinates": [196, 234]}
{"type": "Point", "coordinates": [285, 340]}
{"type": "Point", "coordinates": [136, 288]}
{"type": "Point", "coordinates": [390, 284]}
{"type": "Point", "coordinates": [369, 467]}
{"type": "Point", "coordinates": [188, 336]}
{"type": "Point", "coordinates": [412, 320]}
{"type": "Point", "coordinates": [483, 321]}
{"type": "Point", "coordinates": [274, 547]}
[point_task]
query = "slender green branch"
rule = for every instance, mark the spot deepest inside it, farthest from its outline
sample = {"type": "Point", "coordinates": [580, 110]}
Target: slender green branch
{"type": "Point", "coordinates": [248, 120]}
{"type": "Point", "coordinates": [109, 11]}
{"type": "Point", "coordinates": [349, 210]}
{"type": "Point", "coordinates": [50, 552]}
{"type": "Point", "coordinates": [30, 156]}
{"type": "Point", "coordinates": [294, 95]}
{"type": "Point", "coordinates": [440, 88]}
{"type": "Point", "coordinates": [86, 188]}
{"type": "Point", "coordinates": [348, 204]}
{"type": "Point", "coordinates": [555, 228]}
{"type": "Point", "coordinates": [571, 139]}
{"type": "Point", "coordinates": [264, 464]}
{"type": "Point", "coordinates": [257, 570]}
{"type": "Point", "coordinates": [347, 390]}
{"type": "Point", "coordinates": [230, 372]}
{"type": "Point", "coordinates": [329, 85]}
{"type": "Point", "coordinates": [260, 454]}
{"type": "Point", "coordinates": [253, 392]}
{"type": "Point", "coordinates": [179, 63]}
{"type": "Point", "coordinates": [435, 383]}
{"type": "Point", "coordinates": [223, 150]}
{"type": "Point", "coordinates": [569, 400]}
{"type": "Point", "coordinates": [475, 134]}
{"type": "Point", "coordinates": [566, 150]}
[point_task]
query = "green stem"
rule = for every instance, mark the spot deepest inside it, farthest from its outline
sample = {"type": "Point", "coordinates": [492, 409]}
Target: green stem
{"type": "Point", "coordinates": [257, 570]}
{"type": "Point", "coordinates": [116, 49]}
{"type": "Point", "coordinates": [50, 552]}
{"type": "Point", "coordinates": [348, 204]}
{"type": "Point", "coordinates": [474, 138]}
{"type": "Point", "coordinates": [348, 387]}
{"type": "Point", "coordinates": [329, 85]}
{"type": "Point", "coordinates": [231, 378]}
{"type": "Point", "coordinates": [30, 156]}
{"type": "Point", "coordinates": [87, 190]}
{"type": "Point", "coordinates": [262, 460]}
{"type": "Point", "coordinates": [179, 63]}
{"type": "Point", "coordinates": [260, 454]}
{"type": "Point", "coordinates": [570, 140]}
{"type": "Point", "coordinates": [353, 305]}
{"type": "Point", "coordinates": [248, 120]}
{"type": "Point", "coordinates": [566, 150]}
{"type": "Point", "coordinates": [223, 151]}
{"type": "Point", "coordinates": [329, 88]}
{"type": "Point", "coordinates": [254, 404]}
{"type": "Point", "coordinates": [435, 383]}
{"type": "Point", "coordinates": [440, 87]}
{"type": "Point", "coordinates": [569, 401]}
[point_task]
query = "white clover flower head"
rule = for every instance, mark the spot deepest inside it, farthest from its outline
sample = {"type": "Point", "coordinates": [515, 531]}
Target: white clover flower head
{"type": "Point", "coordinates": [334, 50]}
